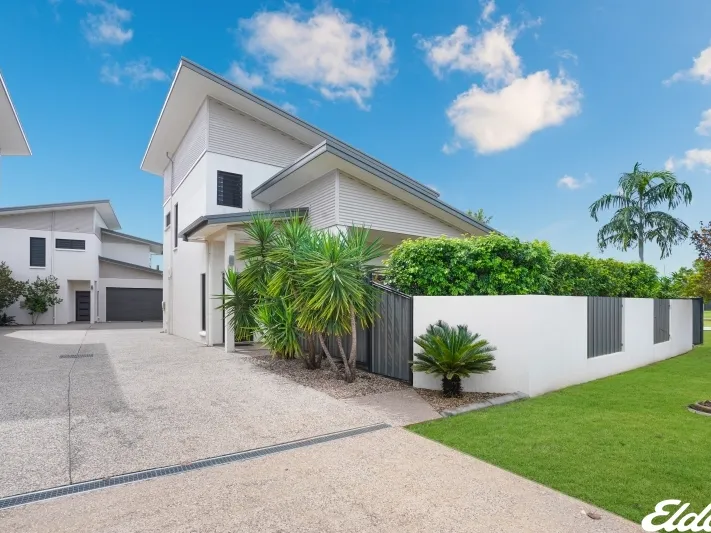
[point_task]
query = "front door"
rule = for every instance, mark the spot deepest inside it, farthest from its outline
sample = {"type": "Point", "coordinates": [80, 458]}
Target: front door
{"type": "Point", "coordinates": [83, 306]}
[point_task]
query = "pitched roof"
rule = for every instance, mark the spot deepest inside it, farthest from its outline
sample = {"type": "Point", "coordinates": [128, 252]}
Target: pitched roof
{"type": "Point", "coordinates": [155, 247]}
{"type": "Point", "coordinates": [12, 137]}
{"type": "Point", "coordinates": [193, 83]}
{"type": "Point", "coordinates": [102, 206]}
{"type": "Point", "coordinates": [131, 265]}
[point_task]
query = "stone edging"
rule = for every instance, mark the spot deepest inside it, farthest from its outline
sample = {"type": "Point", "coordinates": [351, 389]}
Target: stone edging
{"type": "Point", "coordinates": [498, 400]}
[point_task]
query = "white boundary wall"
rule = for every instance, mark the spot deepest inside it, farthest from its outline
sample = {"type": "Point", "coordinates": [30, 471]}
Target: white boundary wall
{"type": "Point", "coordinates": [542, 340]}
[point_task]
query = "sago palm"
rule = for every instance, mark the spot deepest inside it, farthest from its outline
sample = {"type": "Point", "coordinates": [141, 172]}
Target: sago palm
{"type": "Point", "coordinates": [635, 220]}
{"type": "Point", "coordinates": [453, 353]}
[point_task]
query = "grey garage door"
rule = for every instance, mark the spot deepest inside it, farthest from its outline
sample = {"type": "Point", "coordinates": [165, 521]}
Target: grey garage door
{"type": "Point", "coordinates": [124, 304]}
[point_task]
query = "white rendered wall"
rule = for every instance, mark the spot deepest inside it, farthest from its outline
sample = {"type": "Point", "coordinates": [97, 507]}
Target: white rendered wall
{"type": "Point", "coordinates": [542, 340]}
{"type": "Point", "coordinates": [65, 265]}
{"type": "Point", "coordinates": [253, 175]}
{"type": "Point", "coordinates": [128, 252]}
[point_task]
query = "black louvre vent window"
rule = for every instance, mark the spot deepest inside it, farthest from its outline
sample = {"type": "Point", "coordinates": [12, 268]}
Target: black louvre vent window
{"type": "Point", "coordinates": [70, 244]}
{"type": "Point", "coordinates": [229, 189]}
{"type": "Point", "coordinates": [167, 219]}
{"type": "Point", "coordinates": [38, 252]}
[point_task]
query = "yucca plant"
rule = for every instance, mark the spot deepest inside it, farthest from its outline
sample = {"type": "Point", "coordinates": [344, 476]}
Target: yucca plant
{"type": "Point", "coordinates": [276, 322]}
{"type": "Point", "coordinates": [238, 304]}
{"type": "Point", "coordinates": [453, 353]}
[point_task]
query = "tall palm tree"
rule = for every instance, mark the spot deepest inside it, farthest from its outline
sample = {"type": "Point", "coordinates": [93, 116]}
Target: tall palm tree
{"type": "Point", "coordinates": [635, 222]}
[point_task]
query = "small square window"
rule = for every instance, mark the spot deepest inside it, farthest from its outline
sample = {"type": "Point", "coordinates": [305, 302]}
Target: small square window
{"type": "Point", "coordinates": [229, 189]}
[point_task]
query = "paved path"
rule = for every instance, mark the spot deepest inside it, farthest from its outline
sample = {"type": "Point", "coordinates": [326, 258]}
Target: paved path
{"type": "Point", "coordinates": [145, 399]}
{"type": "Point", "coordinates": [389, 480]}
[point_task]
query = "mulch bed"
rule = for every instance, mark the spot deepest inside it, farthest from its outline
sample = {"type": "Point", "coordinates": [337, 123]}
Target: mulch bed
{"type": "Point", "coordinates": [324, 379]}
{"type": "Point", "coordinates": [440, 403]}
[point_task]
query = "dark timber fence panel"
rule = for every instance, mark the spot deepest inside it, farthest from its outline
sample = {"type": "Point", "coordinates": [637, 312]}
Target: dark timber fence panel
{"type": "Point", "coordinates": [605, 317]}
{"type": "Point", "coordinates": [661, 320]}
{"type": "Point", "coordinates": [698, 317]}
{"type": "Point", "coordinates": [391, 335]}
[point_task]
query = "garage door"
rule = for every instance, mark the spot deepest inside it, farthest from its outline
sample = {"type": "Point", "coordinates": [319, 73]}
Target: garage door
{"type": "Point", "coordinates": [124, 304]}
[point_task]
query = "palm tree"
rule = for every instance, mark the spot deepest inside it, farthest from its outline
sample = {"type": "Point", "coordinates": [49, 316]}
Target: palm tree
{"type": "Point", "coordinates": [635, 222]}
{"type": "Point", "coordinates": [334, 293]}
{"type": "Point", "coordinates": [453, 353]}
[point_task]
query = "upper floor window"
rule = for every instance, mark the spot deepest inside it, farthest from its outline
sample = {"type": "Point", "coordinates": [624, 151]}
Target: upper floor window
{"type": "Point", "coordinates": [167, 219]}
{"type": "Point", "coordinates": [229, 189]}
{"type": "Point", "coordinates": [38, 252]}
{"type": "Point", "coordinates": [70, 244]}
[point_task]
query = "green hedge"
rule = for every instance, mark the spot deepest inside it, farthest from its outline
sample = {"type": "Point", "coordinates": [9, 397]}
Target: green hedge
{"type": "Point", "coordinates": [476, 265]}
{"type": "Point", "coordinates": [496, 264]}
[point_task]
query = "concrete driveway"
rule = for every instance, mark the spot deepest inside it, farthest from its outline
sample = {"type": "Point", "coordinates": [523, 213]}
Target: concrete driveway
{"type": "Point", "coordinates": [136, 398]}
{"type": "Point", "coordinates": [139, 399]}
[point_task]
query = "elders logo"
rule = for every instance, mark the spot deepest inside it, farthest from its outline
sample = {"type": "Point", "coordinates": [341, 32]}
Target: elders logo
{"type": "Point", "coordinates": [677, 521]}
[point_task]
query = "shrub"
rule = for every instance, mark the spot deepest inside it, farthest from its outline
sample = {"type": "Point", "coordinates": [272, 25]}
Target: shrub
{"type": "Point", "coordinates": [453, 353]}
{"type": "Point", "coordinates": [40, 295]}
{"type": "Point", "coordinates": [493, 264]}
{"type": "Point", "coordinates": [582, 275]}
{"type": "Point", "coordinates": [10, 289]}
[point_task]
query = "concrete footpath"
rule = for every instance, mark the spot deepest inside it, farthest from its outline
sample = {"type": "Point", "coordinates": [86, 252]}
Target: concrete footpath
{"type": "Point", "coordinates": [388, 480]}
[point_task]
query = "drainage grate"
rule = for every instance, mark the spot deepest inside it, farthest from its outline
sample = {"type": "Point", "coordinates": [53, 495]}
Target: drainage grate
{"type": "Point", "coordinates": [40, 495]}
{"type": "Point", "coordinates": [76, 355]}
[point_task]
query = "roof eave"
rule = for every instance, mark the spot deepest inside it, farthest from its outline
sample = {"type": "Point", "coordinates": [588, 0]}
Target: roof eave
{"type": "Point", "coordinates": [239, 218]}
{"type": "Point", "coordinates": [25, 150]}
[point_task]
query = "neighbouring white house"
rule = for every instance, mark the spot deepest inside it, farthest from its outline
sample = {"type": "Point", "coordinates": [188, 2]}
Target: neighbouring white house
{"type": "Point", "coordinates": [12, 137]}
{"type": "Point", "coordinates": [225, 153]}
{"type": "Point", "coordinates": [103, 275]}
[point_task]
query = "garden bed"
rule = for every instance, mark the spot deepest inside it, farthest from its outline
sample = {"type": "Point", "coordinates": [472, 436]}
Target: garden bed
{"type": "Point", "coordinates": [323, 379]}
{"type": "Point", "coordinates": [440, 403]}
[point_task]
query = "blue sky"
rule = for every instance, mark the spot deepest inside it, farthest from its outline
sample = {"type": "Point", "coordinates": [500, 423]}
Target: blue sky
{"type": "Point", "coordinates": [530, 110]}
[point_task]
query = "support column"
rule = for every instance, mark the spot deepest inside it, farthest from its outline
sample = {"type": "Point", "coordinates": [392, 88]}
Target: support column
{"type": "Point", "coordinates": [229, 263]}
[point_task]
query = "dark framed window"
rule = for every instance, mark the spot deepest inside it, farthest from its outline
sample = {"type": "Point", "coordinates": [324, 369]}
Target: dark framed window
{"type": "Point", "coordinates": [167, 219]}
{"type": "Point", "coordinates": [175, 227]}
{"type": "Point", "coordinates": [229, 189]}
{"type": "Point", "coordinates": [70, 244]}
{"type": "Point", "coordinates": [38, 252]}
{"type": "Point", "coordinates": [203, 301]}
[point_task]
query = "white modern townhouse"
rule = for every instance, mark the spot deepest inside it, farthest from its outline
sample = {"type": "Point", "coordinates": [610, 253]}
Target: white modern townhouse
{"type": "Point", "coordinates": [12, 137]}
{"type": "Point", "coordinates": [104, 275]}
{"type": "Point", "coordinates": [225, 153]}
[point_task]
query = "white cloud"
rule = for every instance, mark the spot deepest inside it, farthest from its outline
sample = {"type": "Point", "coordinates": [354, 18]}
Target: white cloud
{"type": "Point", "coordinates": [569, 182]}
{"type": "Point", "coordinates": [704, 127]}
{"type": "Point", "coordinates": [108, 25]}
{"type": "Point", "coordinates": [496, 120]}
{"type": "Point", "coordinates": [323, 49]}
{"type": "Point", "coordinates": [508, 107]}
{"type": "Point", "coordinates": [567, 55]}
{"type": "Point", "coordinates": [134, 72]}
{"type": "Point", "coordinates": [700, 70]}
{"type": "Point", "coordinates": [289, 108]}
{"type": "Point", "coordinates": [243, 78]}
{"type": "Point", "coordinates": [487, 10]}
{"type": "Point", "coordinates": [693, 159]}
{"type": "Point", "coordinates": [490, 53]}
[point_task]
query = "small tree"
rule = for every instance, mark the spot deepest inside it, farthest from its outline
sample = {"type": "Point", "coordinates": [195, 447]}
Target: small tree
{"type": "Point", "coordinates": [40, 295]}
{"type": "Point", "coordinates": [480, 216]}
{"type": "Point", "coordinates": [10, 290]}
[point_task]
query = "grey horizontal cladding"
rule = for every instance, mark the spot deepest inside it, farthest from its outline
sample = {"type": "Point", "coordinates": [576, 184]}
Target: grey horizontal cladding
{"type": "Point", "coordinates": [125, 236]}
{"type": "Point", "coordinates": [313, 129]}
{"type": "Point", "coordinates": [361, 205]}
{"type": "Point", "coordinates": [192, 146]}
{"type": "Point", "coordinates": [239, 218]}
{"type": "Point", "coordinates": [238, 135]}
{"type": "Point", "coordinates": [319, 197]}
{"type": "Point", "coordinates": [105, 270]}
{"type": "Point", "coordinates": [366, 164]}
{"type": "Point", "coordinates": [74, 220]}
{"type": "Point", "coordinates": [32, 221]}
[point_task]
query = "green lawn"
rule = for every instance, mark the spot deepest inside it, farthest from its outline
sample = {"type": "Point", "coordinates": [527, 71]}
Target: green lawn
{"type": "Point", "coordinates": [623, 443]}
